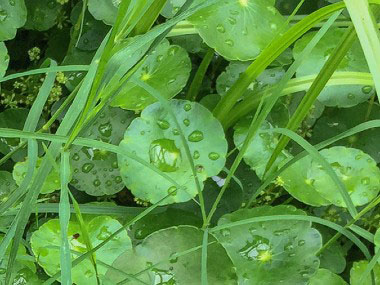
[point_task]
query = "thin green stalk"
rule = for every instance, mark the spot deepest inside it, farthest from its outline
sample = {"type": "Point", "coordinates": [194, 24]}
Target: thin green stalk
{"type": "Point", "coordinates": [196, 84]}
{"type": "Point", "coordinates": [149, 17]}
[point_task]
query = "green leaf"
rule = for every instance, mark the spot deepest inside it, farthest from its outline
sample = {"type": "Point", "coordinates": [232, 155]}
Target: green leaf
{"type": "Point", "coordinates": [357, 270]}
{"type": "Point", "coordinates": [95, 171]}
{"type": "Point", "coordinates": [159, 252]}
{"type": "Point", "coordinates": [167, 70]}
{"type": "Point", "coordinates": [51, 183]}
{"type": "Point", "coordinates": [335, 121]}
{"type": "Point", "coordinates": [325, 276]}
{"type": "Point", "coordinates": [12, 16]}
{"type": "Point", "coordinates": [295, 179]}
{"type": "Point", "coordinates": [42, 14]}
{"type": "Point", "coordinates": [271, 252]}
{"type": "Point", "coordinates": [261, 147]}
{"type": "Point", "coordinates": [228, 78]}
{"type": "Point", "coordinates": [171, 8]}
{"type": "Point", "coordinates": [7, 186]}
{"type": "Point", "coordinates": [357, 170]}
{"type": "Point", "coordinates": [4, 59]}
{"type": "Point", "coordinates": [104, 10]}
{"type": "Point", "coordinates": [238, 30]}
{"type": "Point", "coordinates": [46, 243]}
{"type": "Point", "coordinates": [155, 139]}
{"type": "Point", "coordinates": [354, 61]}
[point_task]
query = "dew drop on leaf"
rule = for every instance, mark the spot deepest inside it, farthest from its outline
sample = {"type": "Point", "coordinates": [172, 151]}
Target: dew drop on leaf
{"type": "Point", "coordinates": [172, 191]}
{"type": "Point", "coordinates": [105, 129]}
{"type": "Point", "coordinates": [365, 180]}
{"type": "Point", "coordinates": [163, 124]}
{"type": "Point", "coordinates": [196, 136]}
{"type": "Point", "coordinates": [213, 156]}
{"type": "Point", "coordinates": [367, 89]}
{"type": "Point", "coordinates": [196, 154]}
{"type": "Point", "coordinates": [87, 167]}
{"type": "Point", "coordinates": [187, 107]}
{"type": "Point", "coordinates": [186, 122]}
{"type": "Point", "coordinates": [229, 42]}
{"type": "Point", "coordinates": [97, 182]}
{"type": "Point", "coordinates": [220, 28]}
{"type": "Point", "coordinates": [164, 155]}
{"type": "Point", "coordinates": [3, 15]}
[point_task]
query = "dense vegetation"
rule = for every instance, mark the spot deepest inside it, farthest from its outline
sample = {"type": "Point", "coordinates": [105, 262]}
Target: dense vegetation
{"type": "Point", "coordinates": [189, 142]}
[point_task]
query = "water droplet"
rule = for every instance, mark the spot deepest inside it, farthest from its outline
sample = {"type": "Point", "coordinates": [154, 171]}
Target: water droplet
{"type": "Point", "coordinates": [186, 122]}
{"type": "Point", "coordinates": [301, 242]}
{"type": "Point", "coordinates": [173, 50]}
{"type": "Point", "coordinates": [367, 89]}
{"type": "Point", "coordinates": [108, 182]}
{"type": "Point", "coordinates": [256, 249]}
{"type": "Point", "coordinates": [231, 20]}
{"type": "Point", "coordinates": [164, 155]}
{"type": "Point", "coordinates": [105, 129]}
{"type": "Point", "coordinates": [85, 41]}
{"type": "Point", "coordinates": [159, 58]}
{"type": "Point", "coordinates": [253, 230]}
{"type": "Point", "coordinates": [117, 179]}
{"type": "Point", "coordinates": [171, 80]}
{"type": "Point", "coordinates": [74, 181]}
{"type": "Point", "coordinates": [187, 107]}
{"type": "Point", "coordinates": [225, 232]}
{"type": "Point", "coordinates": [351, 96]}
{"type": "Point", "coordinates": [76, 157]}
{"type": "Point", "coordinates": [358, 157]}
{"type": "Point", "coordinates": [196, 136]}
{"type": "Point", "coordinates": [365, 180]}
{"type": "Point", "coordinates": [229, 43]}
{"type": "Point", "coordinates": [175, 132]}
{"type": "Point", "coordinates": [12, 2]}
{"type": "Point", "coordinates": [163, 124]}
{"type": "Point", "coordinates": [87, 167]}
{"type": "Point", "coordinates": [220, 28]}
{"type": "Point", "coordinates": [289, 246]}
{"type": "Point", "coordinates": [196, 154]}
{"type": "Point", "coordinates": [213, 156]}
{"type": "Point", "coordinates": [104, 233]}
{"type": "Point", "coordinates": [199, 168]}
{"type": "Point", "coordinates": [96, 182]}
{"type": "Point", "coordinates": [273, 26]}
{"type": "Point", "coordinates": [172, 191]}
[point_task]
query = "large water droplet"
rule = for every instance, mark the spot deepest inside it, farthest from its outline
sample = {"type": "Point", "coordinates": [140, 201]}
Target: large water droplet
{"type": "Point", "coordinates": [87, 167]}
{"type": "Point", "coordinates": [255, 249]}
{"type": "Point", "coordinates": [118, 179]}
{"type": "Point", "coordinates": [213, 156]}
{"type": "Point", "coordinates": [196, 154]}
{"type": "Point", "coordinates": [195, 136]}
{"type": "Point", "coordinates": [105, 129]}
{"type": "Point", "coordinates": [164, 155]}
{"type": "Point", "coordinates": [172, 191]}
{"type": "Point", "coordinates": [163, 124]}
{"type": "Point", "coordinates": [367, 89]}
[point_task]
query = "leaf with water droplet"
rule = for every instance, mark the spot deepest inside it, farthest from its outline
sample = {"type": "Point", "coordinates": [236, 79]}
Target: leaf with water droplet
{"type": "Point", "coordinates": [42, 14]}
{"type": "Point", "coordinates": [46, 243]}
{"type": "Point", "coordinates": [261, 147]}
{"type": "Point", "coordinates": [269, 251]}
{"type": "Point", "coordinates": [163, 148]}
{"type": "Point", "coordinates": [12, 16]}
{"type": "Point", "coordinates": [346, 95]}
{"type": "Point", "coordinates": [361, 177]}
{"type": "Point", "coordinates": [161, 247]}
{"type": "Point", "coordinates": [238, 31]}
{"type": "Point", "coordinates": [104, 10]}
{"type": "Point", "coordinates": [4, 59]}
{"type": "Point", "coordinates": [167, 75]}
{"type": "Point", "coordinates": [51, 183]}
{"type": "Point", "coordinates": [357, 270]}
{"type": "Point", "coordinates": [99, 169]}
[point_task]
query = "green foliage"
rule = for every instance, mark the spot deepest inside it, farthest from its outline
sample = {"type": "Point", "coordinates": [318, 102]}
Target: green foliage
{"type": "Point", "coordinates": [271, 252]}
{"type": "Point", "coordinates": [157, 140]}
{"type": "Point", "coordinates": [42, 14]}
{"type": "Point", "coordinates": [4, 59]}
{"type": "Point", "coordinates": [12, 16]}
{"type": "Point", "coordinates": [104, 10]}
{"type": "Point", "coordinates": [357, 271]}
{"type": "Point", "coordinates": [46, 243]}
{"type": "Point", "coordinates": [324, 276]}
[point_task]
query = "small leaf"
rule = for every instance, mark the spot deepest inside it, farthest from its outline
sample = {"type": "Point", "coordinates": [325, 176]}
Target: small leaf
{"type": "Point", "coordinates": [4, 59]}
{"type": "Point", "coordinates": [104, 10]}
{"type": "Point", "coordinates": [271, 252]}
{"type": "Point", "coordinates": [12, 16]}
{"type": "Point", "coordinates": [342, 95]}
{"type": "Point", "coordinates": [238, 29]}
{"type": "Point", "coordinates": [95, 171]}
{"type": "Point", "coordinates": [357, 271]}
{"type": "Point", "coordinates": [46, 242]}
{"type": "Point", "coordinates": [51, 183]}
{"type": "Point", "coordinates": [42, 14]}
{"type": "Point", "coordinates": [155, 138]}
{"type": "Point", "coordinates": [166, 70]}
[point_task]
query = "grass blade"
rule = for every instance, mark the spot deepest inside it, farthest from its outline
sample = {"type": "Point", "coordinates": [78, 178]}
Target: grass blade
{"type": "Point", "coordinates": [204, 258]}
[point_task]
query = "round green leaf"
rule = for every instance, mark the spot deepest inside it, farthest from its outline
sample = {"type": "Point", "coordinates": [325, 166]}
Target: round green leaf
{"type": "Point", "coordinates": [238, 29]}
{"type": "Point", "coordinates": [42, 14]}
{"type": "Point", "coordinates": [166, 70]}
{"type": "Point", "coordinates": [296, 180]}
{"type": "Point", "coordinates": [155, 138]}
{"type": "Point", "coordinates": [271, 252]}
{"type": "Point", "coordinates": [46, 243]}
{"type": "Point", "coordinates": [160, 247]}
{"type": "Point", "coordinates": [357, 170]}
{"type": "Point", "coordinates": [261, 147]}
{"type": "Point", "coordinates": [343, 95]}
{"type": "Point", "coordinates": [357, 271]}
{"type": "Point", "coordinates": [324, 277]}
{"type": "Point", "coordinates": [104, 10]}
{"type": "Point", "coordinates": [51, 183]}
{"type": "Point", "coordinates": [4, 59]}
{"type": "Point", "coordinates": [95, 171]}
{"type": "Point", "coordinates": [335, 121]}
{"type": "Point", "coordinates": [12, 16]}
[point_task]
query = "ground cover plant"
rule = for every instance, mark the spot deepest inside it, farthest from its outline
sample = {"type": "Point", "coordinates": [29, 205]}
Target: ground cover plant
{"type": "Point", "coordinates": [189, 142]}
